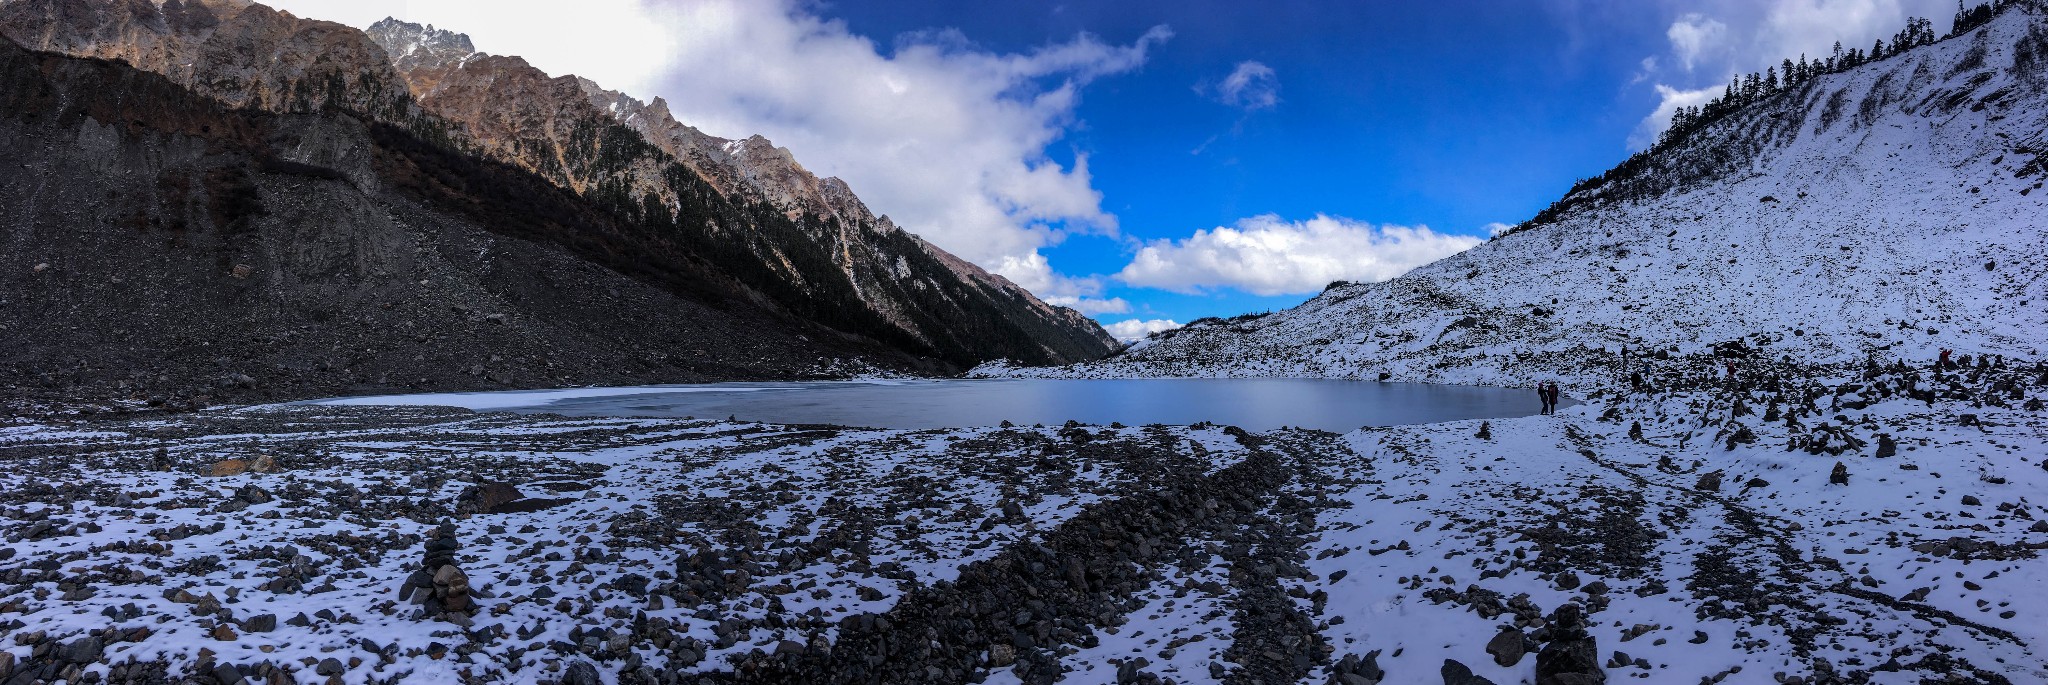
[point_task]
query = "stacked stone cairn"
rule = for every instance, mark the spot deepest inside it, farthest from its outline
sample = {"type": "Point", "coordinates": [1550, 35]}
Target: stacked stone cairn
{"type": "Point", "coordinates": [439, 586]}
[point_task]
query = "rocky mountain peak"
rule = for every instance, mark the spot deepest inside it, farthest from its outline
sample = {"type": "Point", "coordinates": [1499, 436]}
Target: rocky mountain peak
{"type": "Point", "coordinates": [411, 46]}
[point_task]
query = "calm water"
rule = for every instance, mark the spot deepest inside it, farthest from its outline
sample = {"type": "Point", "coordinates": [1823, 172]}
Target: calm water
{"type": "Point", "coordinates": [1253, 403]}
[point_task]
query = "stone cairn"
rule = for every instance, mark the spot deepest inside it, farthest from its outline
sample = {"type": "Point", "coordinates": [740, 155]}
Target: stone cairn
{"type": "Point", "coordinates": [439, 586]}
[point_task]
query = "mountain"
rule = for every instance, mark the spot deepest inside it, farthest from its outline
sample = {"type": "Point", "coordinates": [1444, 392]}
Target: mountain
{"type": "Point", "coordinates": [800, 247]}
{"type": "Point", "coordinates": [160, 245]}
{"type": "Point", "coordinates": [1895, 207]}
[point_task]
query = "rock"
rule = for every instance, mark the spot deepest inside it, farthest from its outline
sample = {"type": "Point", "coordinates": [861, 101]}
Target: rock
{"type": "Point", "coordinates": [227, 674]}
{"type": "Point", "coordinates": [224, 633]}
{"type": "Point", "coordinates": [1455, 673]}
{"type": "Point", "coordinates": [1709, 482]}
{"type": "Point", "coordinates": [581, 673]}
{"type": "Point", "coordinates": [1351, 670]}
{"type": "Point", "coordinates": [228, 467]}
{"type": "Point", "coordinates": [486, 498]}
{"type": "Point", "coordinates": [1000, 655]}
{"type": "Point", "coordinates": [1971, 501]}
{"type": "Point", "coordinates": [85, 650]}
{"type": "Point", "coordinates": [262, 623]}
{"type": "Point", "coordinates": [330, 666]}
{"type": "Point", "coordinates": [1506, 647]}
{"type": "Point", "coordinates": [1567, 580]}
{"type": "Point", "coordinates": [1840, 476]}
{"type": "Point", "coordinates": [2039, 527]}
{"type": "Point", "coordinates": [1573, 655]}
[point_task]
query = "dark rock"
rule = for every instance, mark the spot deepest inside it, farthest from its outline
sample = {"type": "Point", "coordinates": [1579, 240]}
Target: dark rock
{"type": "Point", "coordinates": [1455, 673]}
{"type": "Point", "coordinates": [330, 666]}
{"type": "Point", "coordinates": [85, 650]}
{"type": "Point", "coordinates": [1506, 647]}
{"type": "Point", "coordinates": [486, 498]}
{"type": "Point", "coordinates": [262, 623]}
{"type": "Point", "coordinates": [581, 673]}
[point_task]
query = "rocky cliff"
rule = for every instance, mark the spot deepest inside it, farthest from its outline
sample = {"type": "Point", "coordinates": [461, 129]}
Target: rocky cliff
{"type": "Point", "coordinates": [799, 245]}
{"type": "Point", "coordinates": [157, 245]}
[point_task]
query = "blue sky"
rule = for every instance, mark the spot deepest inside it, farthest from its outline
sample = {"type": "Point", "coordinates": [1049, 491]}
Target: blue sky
{"type": "Point", "coordinates": [1453, 114]}
{"type": "Point", "coordinates": [1102, 154]}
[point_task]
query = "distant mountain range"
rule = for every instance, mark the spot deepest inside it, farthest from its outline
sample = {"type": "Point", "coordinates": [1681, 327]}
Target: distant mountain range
{"type": "Point", "coordinates": [212, 197]}
{"type": "Point", "coordinates": [1891, 208]}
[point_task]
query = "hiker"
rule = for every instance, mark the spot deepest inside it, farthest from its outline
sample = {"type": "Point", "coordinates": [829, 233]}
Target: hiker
{"type": "Point", "coordinates": [1547, 392]}
{"type": "Point", "coordinates": [1945, 364]}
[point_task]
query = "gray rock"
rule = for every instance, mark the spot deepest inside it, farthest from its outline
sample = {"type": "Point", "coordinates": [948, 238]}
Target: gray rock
{"type": "Point", "coordinates": [263, 623]}
{"type": "Point", "coordinates": [330, 666]}
{"type": "Point", "coordinates": [1507, 647]}
{"type": "Point", "coordinates": [581, 673]}
{"type": "Point", "coordinates": [84, 650]}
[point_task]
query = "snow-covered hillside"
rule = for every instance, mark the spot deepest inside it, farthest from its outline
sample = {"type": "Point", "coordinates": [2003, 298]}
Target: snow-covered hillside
{"type": "Point", "coordinates": [1894, 207]}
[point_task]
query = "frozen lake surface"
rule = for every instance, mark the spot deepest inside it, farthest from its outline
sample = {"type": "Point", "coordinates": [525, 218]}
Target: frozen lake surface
{"type": "Point", "coordinates": [1252, 403]}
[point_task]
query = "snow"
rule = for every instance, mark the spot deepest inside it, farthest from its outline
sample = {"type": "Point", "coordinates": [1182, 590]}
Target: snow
{"type": "Point", "coordinates": [1886, 205]}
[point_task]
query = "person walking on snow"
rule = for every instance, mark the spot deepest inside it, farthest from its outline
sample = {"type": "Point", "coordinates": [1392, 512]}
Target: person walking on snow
{"type": "Point", "coordinates": [1945, 364]}
{"type": "Point", "coordinates": [1546, 392]}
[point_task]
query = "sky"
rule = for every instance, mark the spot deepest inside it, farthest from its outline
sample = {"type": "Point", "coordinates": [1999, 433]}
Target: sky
{"type": "Point", "coordinates": [1151, 162]}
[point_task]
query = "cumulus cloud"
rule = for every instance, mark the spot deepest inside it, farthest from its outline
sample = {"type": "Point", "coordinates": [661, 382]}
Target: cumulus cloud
{"type": "Point", "coordinates": [1713, 39]}
{"type": "Point", "coordinates": [949, 140]}
{"type": "Point", "coordinates": [1497, 229]}
{"type": "Point", "coordinates": [1669, 100]}
{"type": "Point", "coordinates": [1091, 305]}
{"type": "Point", "coordinates": [1133, 330]}
{"type": "Point", "coordinates": [1268, 255]}
{"type": "Point", "coordinates": [1693, 36]}
{"type": "Point", "coordinates": [1251, 85]}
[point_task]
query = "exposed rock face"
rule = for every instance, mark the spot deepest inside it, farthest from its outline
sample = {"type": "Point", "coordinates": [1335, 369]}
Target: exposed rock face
{"type": "Point", "coordinates": [190, 251]}
{"type": "Point", "coordinates": [242, 54]}
{"type": "Point", "coordinates": [759, 229]}
{"type": "Point", "coordinates": [604, 142]}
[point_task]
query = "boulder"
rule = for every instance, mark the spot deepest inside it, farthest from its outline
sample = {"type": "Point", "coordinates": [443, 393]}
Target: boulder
{"type": "Point", "coordinates": [1506, 647]}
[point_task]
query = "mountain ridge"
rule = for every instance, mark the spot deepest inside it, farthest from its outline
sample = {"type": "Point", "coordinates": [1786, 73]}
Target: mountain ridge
{"type": "Point", "coordinates": [883, 285]}
{"type": "Point", "coordinates": [1890, 209]}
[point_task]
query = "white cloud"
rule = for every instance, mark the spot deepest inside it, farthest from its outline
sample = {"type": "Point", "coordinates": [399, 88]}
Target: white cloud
{"type": "Point", "coordinates": [1091, 305]}
{"type": "Point", "coordinates": [1496, 229]}
{"type": "Point", "coordinates": [1251, 85]}
{"type": "Point", "coordinates": [1694, 35]}
{"type": "Point", "coordinates": [1133, 330]}
{"type": "Point", "coordinates": [1267, 255]}
{"type": "Point", "coordinates": [948, 139]}
{"type": "Point", "coordinates": [619, 43]}
{"type": "Point", "coordinates": [1669, 100]}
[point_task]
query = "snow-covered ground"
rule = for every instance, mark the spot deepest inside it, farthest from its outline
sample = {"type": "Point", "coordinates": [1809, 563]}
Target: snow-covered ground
{"type": "Point", "coordinates": [654, 548]}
